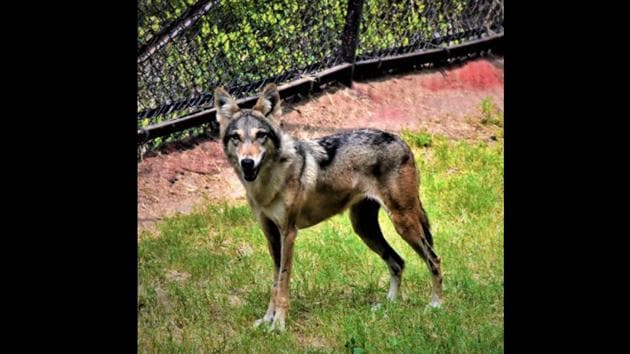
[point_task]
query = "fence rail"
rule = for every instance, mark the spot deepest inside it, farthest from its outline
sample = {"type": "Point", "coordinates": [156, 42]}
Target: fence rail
{"type": "Point", "coordinates": [186, 48]}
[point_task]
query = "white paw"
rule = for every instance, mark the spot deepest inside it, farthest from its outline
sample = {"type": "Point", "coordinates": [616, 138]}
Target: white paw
{"type": "Point", "coordinates": [435, 303]}
{"type": "Point", "coordinates": [264, 320]}
{"type": "Point", "coordinates": [277, 325]}
{"type": "Point", "coordinates": [260, 321]}
{"type": "Point", "coordinates": [391, 297]}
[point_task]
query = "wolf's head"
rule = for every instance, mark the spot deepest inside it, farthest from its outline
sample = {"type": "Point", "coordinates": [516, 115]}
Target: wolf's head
{"type": "Point", "coordinates": [250, 136]}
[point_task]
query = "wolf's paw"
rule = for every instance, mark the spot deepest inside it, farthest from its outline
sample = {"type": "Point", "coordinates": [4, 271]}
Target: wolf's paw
{"type": "Point", "coordinates": [278, 324]}
{"type": "Point", "coordinates": [435, 303]}
{"type": "Point", "coordinates": [263, 321]}
{"type": "Point", "coordinates": [376, 307]}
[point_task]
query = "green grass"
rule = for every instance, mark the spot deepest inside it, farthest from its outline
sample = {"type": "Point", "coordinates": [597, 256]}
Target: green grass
{"type": "Point", "coordinates": [417, 139]}
{"type": "Point", "coordinates": [204, 277]}
{"type": "Point", "coordinates": [492, 116]}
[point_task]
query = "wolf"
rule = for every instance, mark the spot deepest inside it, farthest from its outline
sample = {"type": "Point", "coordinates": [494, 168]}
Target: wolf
{"type": "Point", "coordinates": [293, 184]}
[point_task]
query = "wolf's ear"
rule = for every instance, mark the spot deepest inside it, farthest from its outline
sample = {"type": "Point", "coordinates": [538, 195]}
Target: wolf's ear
{"type": "Point", "coordinates": [225, 104]}
{"type": "Point", "coordinates": [269, 102]}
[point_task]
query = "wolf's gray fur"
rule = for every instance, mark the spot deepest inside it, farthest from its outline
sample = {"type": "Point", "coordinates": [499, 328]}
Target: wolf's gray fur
{"type": "Point", "coordinates": [293, 184]}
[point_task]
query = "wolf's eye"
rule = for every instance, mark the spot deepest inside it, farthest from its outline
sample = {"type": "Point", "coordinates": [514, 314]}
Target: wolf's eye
{"type": "Point", "coordinates": [261, 135]}
{"type": "Point", "coordinates": [235, 138]}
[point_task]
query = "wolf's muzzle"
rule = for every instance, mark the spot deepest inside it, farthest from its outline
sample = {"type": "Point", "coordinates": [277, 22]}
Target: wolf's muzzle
{"type": "Point", "coordinates": [249, 170]}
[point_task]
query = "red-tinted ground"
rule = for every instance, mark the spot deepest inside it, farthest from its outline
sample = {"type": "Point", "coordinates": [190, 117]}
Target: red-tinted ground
{"type": "Point", "coordinates": [447, 103]}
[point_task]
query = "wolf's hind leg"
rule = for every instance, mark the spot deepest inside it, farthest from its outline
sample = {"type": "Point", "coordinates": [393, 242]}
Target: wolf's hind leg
{"type": "Point", "coordinates": [364, 217]}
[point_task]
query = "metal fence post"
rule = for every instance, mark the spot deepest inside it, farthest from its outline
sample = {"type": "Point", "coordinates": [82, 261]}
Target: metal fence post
{"type": "Point", "coordinates": [350, 35]}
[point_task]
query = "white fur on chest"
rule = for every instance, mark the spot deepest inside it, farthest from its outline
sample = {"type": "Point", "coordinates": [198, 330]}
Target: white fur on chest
{"type": "Point", "coordinates": [276, 211]}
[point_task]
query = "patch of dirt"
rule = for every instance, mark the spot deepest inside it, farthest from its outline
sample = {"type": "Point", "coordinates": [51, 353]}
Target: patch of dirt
{"type": "Point", "coordinates": [441, 102]}
{"type": "Point", "coordinates": [311, 342]}
{"type": "Point", "coordinates": [177, 276]}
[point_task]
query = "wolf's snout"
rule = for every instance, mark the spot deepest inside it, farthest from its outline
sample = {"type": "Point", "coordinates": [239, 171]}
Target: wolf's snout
{"type": "Point", "coordinates": [249, 171]}
{"type": "Point", "coordinates": [247, 164]}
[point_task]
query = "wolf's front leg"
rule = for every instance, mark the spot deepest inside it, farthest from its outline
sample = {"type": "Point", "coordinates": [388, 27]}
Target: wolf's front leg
{"type": "Point", "coordinates": [282, 292]}
{"type": "Point", "coordinates": [271, 309]}
{"type": "Point", "coordinates": [272, 233]}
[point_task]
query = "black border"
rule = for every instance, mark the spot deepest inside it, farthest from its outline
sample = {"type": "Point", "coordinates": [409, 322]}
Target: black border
{"type": "Point", "coordinates": [557, 258]}
{"type": "Point", "coordinates": [73, 243]}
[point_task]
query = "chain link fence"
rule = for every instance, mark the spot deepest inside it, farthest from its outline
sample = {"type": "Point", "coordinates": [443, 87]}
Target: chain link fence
{"type": "Point", "coordinates": [390, 28]}
{"type": "Point", "coordinates": [188, 47]}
